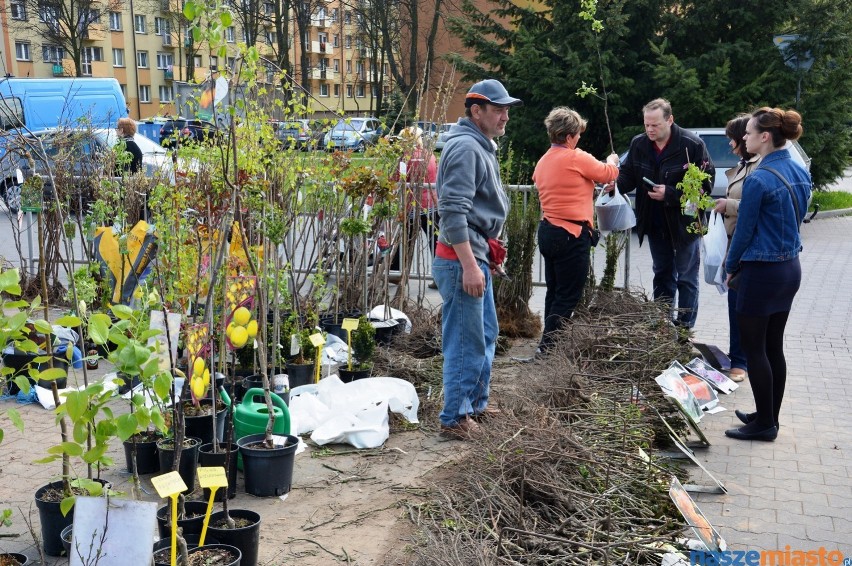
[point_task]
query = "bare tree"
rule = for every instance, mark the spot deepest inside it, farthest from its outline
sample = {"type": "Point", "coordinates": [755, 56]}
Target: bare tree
{"type": "Point", "coordinates": [67, 26]}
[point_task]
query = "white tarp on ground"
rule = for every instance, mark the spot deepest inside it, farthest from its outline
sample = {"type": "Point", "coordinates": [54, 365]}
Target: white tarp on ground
{"type": "Point", "coordinates": [353, 413]}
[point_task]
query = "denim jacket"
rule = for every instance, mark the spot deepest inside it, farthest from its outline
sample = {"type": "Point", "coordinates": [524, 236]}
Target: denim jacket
{"type": "Point", "coordinates": [767, 226]}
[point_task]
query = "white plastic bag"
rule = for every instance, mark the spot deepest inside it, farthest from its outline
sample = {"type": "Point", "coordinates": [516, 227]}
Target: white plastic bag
{"type": "Point", "coordinates": [714, 246]}
{"type": "Point", "coordinates": [614, 212]}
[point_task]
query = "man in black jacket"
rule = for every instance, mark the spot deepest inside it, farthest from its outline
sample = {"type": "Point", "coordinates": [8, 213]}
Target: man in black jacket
{"type": "Point", "coordinates": [656, 162]}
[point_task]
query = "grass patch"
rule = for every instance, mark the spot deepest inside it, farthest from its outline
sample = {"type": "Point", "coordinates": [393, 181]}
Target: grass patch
{"type": "Point", "coordinates": [832, 200]}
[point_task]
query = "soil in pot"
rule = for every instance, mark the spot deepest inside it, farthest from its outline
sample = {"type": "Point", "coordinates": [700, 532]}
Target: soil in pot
{"type": "Point", "coordinates": [147, 458]}
{"type": "Point", "coordinates": [198, 420]}
{"type": "Point", "coordinates": [188, 459]}
{"type": "Point", "coordinates": [13, 559]}
{"type": "Point", "coordinates": [245, 536]}
{"type": "Point", "coordinates": [193, 519]}
{"type": "Point", "coordinates": [206, 457]}
{"type": "Point", "coordinates": [163, 547]}
{"type": "Point", "coordinates": [267, 471]}
{"type": "Point", "coordinates": [218, 554]}
{"type": "Point", "coordinates": [300, 374]}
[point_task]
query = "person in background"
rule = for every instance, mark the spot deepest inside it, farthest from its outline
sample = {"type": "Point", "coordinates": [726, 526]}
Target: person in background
{"type": "Point", "coordinates": [126, 129]}
{"type": "Point", "coordinates": [473, 206]}
{"type": "Point", "coordinates": [421, 170]}
{"type": "Point", "coordinates": [661, 155]}
{"type": "Point", "coordinates": [765, 249]}
{"type": "Point", "coordinates": [565, 177]}
{"type": "Point", "coordinates": [729, 207]}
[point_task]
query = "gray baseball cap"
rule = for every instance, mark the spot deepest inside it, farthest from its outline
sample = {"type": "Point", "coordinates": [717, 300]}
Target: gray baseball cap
{"type": "Point", "coordinates": [493, 92]}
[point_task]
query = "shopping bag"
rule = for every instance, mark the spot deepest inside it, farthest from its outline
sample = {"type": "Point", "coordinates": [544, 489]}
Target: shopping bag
{"type": "Point", "coordinates": [714, 246]}
{"type": "Point", "coordinates": [614, 212]}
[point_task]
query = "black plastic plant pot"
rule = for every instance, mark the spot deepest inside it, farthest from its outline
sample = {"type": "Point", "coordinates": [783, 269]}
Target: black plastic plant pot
{"type": "Point", "coordinates": [19, 558]}
{"type": "Point", "coordinates": [201, 426]}
{"type": "Point", "coordinates": [245, 537]}
{"type": "Point", "coordinates": [347, 376]}
{"type": "Point", "coordinates": [147, 456]}
{"type": "Point", "coordinates": [235, 552]}
{"type": "Point", "coordinates": [267, 472]}
{"type": "Point", "coordinates": [194, 511]}
{"type": "Point", "coordinates": [165, 544]}
{"type": "Point", "coordinates": [208, 458]}
{"type": "Point", "coordinates": [188, 459]}
{"type": "Point", "coordinates": [51, 518]}
{"type": "Point", "coordinates": [300, 374]}
{"type": "Point", "coordinates": [67, 535]}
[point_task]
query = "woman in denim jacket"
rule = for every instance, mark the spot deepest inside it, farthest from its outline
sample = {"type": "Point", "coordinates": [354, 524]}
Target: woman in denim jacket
{"type": "Point", "coordinates": [765, 247]}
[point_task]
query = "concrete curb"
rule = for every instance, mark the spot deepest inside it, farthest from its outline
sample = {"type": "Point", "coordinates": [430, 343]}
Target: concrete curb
{"type": "Point", "coordinates": [832, 213]}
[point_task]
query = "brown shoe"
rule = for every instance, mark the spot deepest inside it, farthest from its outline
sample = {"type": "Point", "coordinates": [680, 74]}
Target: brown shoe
{"type": "Point", "coordinates": [737, 374]}
{"type": "Point", "coordinates": [465, 429]}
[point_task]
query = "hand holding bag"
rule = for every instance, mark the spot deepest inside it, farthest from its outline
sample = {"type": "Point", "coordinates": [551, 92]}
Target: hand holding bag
{"type": "Point", "coordinates": [614, 212]}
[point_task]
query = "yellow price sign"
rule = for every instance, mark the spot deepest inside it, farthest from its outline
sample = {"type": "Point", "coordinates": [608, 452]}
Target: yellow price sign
{"type": "Point", "coordinates": [317, 339]}
{"type": "Point", "coordinates": [213, 476]}
{"type": "Point", "coordinates": [168, 484]}
{"type": "Point", "coordinates": [349, 324]}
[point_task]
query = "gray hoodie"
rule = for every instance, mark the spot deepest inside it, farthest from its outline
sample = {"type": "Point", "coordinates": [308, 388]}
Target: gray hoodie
{"type": "Point", "coordinates": [470, 191]}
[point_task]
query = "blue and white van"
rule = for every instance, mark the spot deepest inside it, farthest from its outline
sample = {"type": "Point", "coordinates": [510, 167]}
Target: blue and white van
{"type": "Point", "coordinates": [33, 104]}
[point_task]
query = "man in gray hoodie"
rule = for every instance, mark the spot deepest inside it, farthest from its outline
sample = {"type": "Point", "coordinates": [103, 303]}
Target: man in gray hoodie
{"type": "Point", "coordinates": [473, 206]}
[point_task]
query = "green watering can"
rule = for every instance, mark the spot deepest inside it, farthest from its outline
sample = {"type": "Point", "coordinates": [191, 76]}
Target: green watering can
{"type": "Point", "coordinates": [251, 416]}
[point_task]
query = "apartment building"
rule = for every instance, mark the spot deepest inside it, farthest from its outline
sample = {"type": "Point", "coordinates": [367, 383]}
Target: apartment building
{"type": "Point", "coordinates": [146, 46]}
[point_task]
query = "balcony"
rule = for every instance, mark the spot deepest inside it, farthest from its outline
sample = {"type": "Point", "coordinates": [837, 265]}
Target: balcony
{"type": "Point", "coordinates": [58, 70]}
{"type": "Point", "coordinates": [168, 40]}
{"type": "Point", "coordinates": [95, 32]}
{"type": "Point", "coordinates": [321, 47]}
{"type": "Point", "coordinates": [169, 74]}
{"type": "Point", "coordinates": [320, 74]}
{"type": "Point", "coordinates": [319, 22]}
{"type": "Point", "coordinates": [166, 6]}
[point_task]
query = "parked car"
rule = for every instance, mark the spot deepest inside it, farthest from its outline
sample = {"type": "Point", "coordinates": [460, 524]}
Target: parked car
{"type": "Point", "coordinates": [89, 146]}
{"type": "Point", "coordinates": [353, 134]}
{"type": "Point", "coordinates": [443, 130]}
{"type": "Point", "coordinates": [723, 159]}
{"type": "Point", "coordinates": [295, 133]}
{"type": "Point", "coordinates": [430, 131]}
{"type": "Point", "coordinates": [189, 131]}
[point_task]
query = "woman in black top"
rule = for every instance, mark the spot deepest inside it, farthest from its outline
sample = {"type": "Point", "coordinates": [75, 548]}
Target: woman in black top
{"type": "Point", "coordinates": [126, 129]}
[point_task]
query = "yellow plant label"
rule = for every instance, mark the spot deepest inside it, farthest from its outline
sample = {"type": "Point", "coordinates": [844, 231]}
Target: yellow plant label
{"type": "Point", "coordinates": [168, 484]}
{"type": "Point", "coordinates": [317, 340]}
{"type": "Point", "coordinates": [350, 324]}
{"type": "Point", "coordinates": [213, 476]}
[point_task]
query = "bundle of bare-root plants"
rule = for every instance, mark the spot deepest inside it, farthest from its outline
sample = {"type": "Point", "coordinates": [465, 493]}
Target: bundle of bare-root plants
{"type": "Point", "coordinates": [567, 474]}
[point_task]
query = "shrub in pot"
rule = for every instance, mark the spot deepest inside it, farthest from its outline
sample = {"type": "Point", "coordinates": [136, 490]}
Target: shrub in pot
{"type": "Point", "coordinates": [363, 348]}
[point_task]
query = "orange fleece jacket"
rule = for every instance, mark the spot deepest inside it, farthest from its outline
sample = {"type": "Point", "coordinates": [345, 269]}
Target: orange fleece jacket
{"type": "Point", "coordinates": [565, 179]}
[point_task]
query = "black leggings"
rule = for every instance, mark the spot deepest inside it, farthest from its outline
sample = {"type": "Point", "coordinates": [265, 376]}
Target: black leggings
{"type": "Point", "coordinates": [762, 340]}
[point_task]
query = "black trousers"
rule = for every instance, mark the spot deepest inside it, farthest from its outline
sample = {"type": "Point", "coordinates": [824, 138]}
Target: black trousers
{"type": "Point", "coordinates": [566, 268]}
{"type": "Point", "coordinates": [429, 224]}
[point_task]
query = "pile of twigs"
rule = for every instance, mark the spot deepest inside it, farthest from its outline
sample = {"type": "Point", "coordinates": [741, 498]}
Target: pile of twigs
{"type": "Point", "coordinates": [559, 477]}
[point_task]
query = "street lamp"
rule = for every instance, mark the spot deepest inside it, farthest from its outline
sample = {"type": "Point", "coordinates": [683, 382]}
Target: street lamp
{"type": "Point", "coordinates": [795, 58]}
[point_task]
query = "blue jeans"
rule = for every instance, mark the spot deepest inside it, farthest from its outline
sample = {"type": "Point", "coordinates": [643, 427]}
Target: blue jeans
{"type": "Point", "coordinates": [566, 268]}
{"type": "Point", "coordinates": [676, 271]}
{"type": "Point", "coordinates": [736, 353]}
{"type": "Point", "coordinates": [469, 338]}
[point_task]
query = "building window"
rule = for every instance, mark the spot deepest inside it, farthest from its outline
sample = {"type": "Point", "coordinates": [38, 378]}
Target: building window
{"type": "Point", "coordinates": [348, 91]}
{"type": "Point", "coordinates": [336, 65]}
{"type": "Point", "coordinates": [47, 14]}
{"type": "Point", "coordinates": [118, 57]}
{"type": "Point", "coordinates": [93, 16]}
{"type": "Point", "coordinates": [145, 93]}
{"type": "Point", "coordinates": [347, 43]}
{"type": "Point", "coordinates": [347, 17]}
{"type": "Point", "coordinates": [359, 70]}
{"type": "Point", "coordinates": [196, 61]}
{"type": "Point", "coordinates": [52, 53]}
{"type": "Point", "coordinates": [269, 8]}
{"type": "Point", "coordinates": [229, 34]}
{"type": "Point", "coordinates": [88, 55]}
{"type": "Point", "coordinates": [161, 26]}
{"type": "Point", "coordinates": [165, 60]}
{"type": "Point", "coordinates": [360, 91]}
{"type": "Point", "coordinates": [214, 63]}
{"type": "Point", "coordinates": [123, 90]}
{"type": "Point", "coordinates": [22, 51]}
{"type": "Point", "coordinates": [348, 66]}
{"type": "Point", "coordinates": [324, 89]}
{"type": "Point", "coordinates": [270, 37]}
{"type": "Point", "coordinates": [335, 40]}
{"type": "Point", "coordinates": [166, 94]}
{"type": "Point", "coordinates": [18, 10]}
{"type": "Point", "coordinates": [142, 59]}
{"type": "Point", "coordinates": [115, 21]}
{"type": "Point", "coordinates": [374, 90]}
{"type": "Point", "coordinates": [336, 91]}
{"type": "Point", "coordinates": [335, 13]}
{"type": "Point", "coordinates": [232, 63]}
{"type": "Point", "coordinates": [139, 25]}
